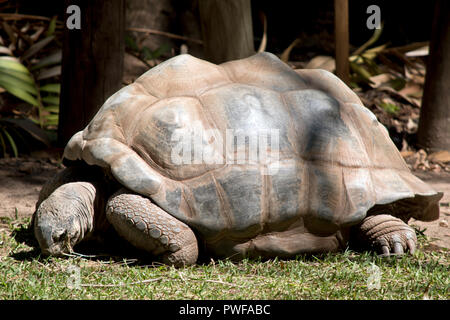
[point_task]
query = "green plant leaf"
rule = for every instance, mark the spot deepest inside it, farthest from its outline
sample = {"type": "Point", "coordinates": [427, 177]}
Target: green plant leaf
{"type": "Point", "coordinates": [397, 83]}
{"type": "Point", "coordinates": [54, 109]}
{"type": "Point", "coordinates": [131, 43]}
{"type": "Point", "coordinates": [53, 100]}
{"type": "Point", "coordinates": [361, 71]}
{"type": "Point", "coordinates": [19, 75]}
{"type": "Point", "coordinates": [2, 141]}
{"type": "Point", "coordinates": [51, 87]}
{"type": "Point", "coordinates": [21, 94]}
{"type": "Point", "coordinates": [34, 120]}
{"type": "Point", "coordinates": [146, 53]}
{"type": "Point", "coordinates": [371, 66]}
{"type": "Point", "coordinates": [51, 119]}
{"type": "Point", "coordinates": [8, 81]}
{"type": "Point", "coordinates": [20, 139]}
{"type": "Point", "coordinates": [11, 142]}
{"type": "Point", "coordinates": [10, 63]}
{"type": "Point", "coordinates": [389, 107]}
{"type": "Point", "coordinates": [372, 53]}
{"type": "Point", "coordinates": [160, 51]}
{"type": "Point", "coordinates": [35, 48]}
{"type": "Point", "coordinates": [51, 27]}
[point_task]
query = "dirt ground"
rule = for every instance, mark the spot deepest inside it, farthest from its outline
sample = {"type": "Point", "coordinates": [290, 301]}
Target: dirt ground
{"type": "Point", "coordinates": [21, 180]}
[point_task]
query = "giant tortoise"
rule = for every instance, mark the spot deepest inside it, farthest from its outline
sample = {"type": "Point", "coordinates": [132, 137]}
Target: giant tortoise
{"type": "Point", "coordinates": [323, 172]}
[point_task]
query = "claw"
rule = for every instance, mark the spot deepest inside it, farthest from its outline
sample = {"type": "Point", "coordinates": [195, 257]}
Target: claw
{"type": "Point", "coordinates": [385, 250]}
{"type": "Point", "coordinates": [388, 234]}
{"type": "Point", "coordinates": [411, 245]}
{"type": "Point", "coordinates": [398, 248]}
{"type": "Point", "coordinates": [384, 245]}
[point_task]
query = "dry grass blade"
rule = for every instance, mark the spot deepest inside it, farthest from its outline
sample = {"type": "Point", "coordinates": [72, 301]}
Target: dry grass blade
{"type": "Point", "coordinates": [322, 62]}
{"type": "Point", "coordinates": [12, 37]}
{"type": "Point", "coordinates": [54, 58]}
{"type": "Point", "coordinates": [181, 278]}
{"type": "Point", "coordinates": [285, 55]}
{"type": "Point", "coordinates": [17, 16]}
{"type": "Point", "coordinates": [76, 254]}
{"type": "Point", "coordinates": [120, 284]}
{"type": "Point", "coordinates": [5, 50]}
{"type": "Point", "coordinates": [222, 282]}
{"type": "Point", "coordinates": [49, 73]}
{"type": "Point", "coordinates": [37, 33]}
{"type": "Point", "coordinates": [380, 80]}
{"type": "Point", "coordinates": [35, 48]}
{"type": "Point", "coordinates": [263, 44]}
{"type": "Point", "coordinates": [409, 47]}
{"type": "Point", "coordinates": [165, 34]}
{"type": "Point", "coordinates": [399, 96]}
{"type": "Point", "coordinates": [420, 52]}
{"type": "Point", "coordinates": [440, 156]}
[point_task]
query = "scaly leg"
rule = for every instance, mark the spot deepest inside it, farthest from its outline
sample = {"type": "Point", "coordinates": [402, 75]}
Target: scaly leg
{"type": "Point", "coordinates": [148, 227]}
{"type": "Point", "coordinates": [387, 234]}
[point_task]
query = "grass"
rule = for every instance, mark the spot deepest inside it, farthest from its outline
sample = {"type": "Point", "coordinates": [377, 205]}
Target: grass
{"type": "Point", "coordinates": [24, 274]}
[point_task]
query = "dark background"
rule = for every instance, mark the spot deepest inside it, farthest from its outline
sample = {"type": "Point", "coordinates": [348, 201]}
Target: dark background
{"type": "Point", "coordinates": [312, 21]}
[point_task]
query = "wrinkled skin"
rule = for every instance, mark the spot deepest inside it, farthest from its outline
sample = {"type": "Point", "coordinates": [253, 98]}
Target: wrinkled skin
{"type": "Point", "coordinates": [387, 235]}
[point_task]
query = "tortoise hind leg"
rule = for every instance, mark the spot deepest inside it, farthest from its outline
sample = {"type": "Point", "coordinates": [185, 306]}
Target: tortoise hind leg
{"type": "Point", "coordinates": [148, 227]}
{"type": "Point", "coordinates": [386, 234]}
{"type": "Point", "coordinates": [284, 244]}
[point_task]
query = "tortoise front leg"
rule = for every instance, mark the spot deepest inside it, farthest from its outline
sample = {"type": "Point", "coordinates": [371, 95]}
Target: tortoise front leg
{"type": "Point", "coordinates": [387, 234]}
{"type": "Point", "coordinates": [148, 227]}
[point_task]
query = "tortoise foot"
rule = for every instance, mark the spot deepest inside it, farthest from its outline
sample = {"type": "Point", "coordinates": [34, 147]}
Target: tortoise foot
{"type": "Point", "coordinates": [149, 228]}
{"type": "Point", "coordinates": [388, 235]}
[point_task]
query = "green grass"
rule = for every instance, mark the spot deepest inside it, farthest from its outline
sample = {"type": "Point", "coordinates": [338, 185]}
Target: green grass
{"type": "Point", "coordinates": [24, 274]}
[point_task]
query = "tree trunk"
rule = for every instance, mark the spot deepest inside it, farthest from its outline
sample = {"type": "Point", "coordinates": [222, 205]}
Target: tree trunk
{"type": "Point", "coordinates": [434, 124]}
{"type": "Point", "coordinates": [341, 36]}
{"type": "Point", "coordinates": [92, 63]}
{"type": "Point", "coordinates": [227, 29]}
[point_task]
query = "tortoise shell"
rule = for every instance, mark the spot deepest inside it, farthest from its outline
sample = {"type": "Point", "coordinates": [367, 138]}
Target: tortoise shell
{"type": "Point", "coordinates": [332, 162]}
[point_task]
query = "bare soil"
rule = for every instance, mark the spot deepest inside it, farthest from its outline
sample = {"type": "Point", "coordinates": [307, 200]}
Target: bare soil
{"type": "Point", "coordinates": [21, 179]}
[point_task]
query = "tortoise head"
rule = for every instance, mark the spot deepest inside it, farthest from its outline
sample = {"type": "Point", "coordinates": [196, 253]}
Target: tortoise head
{"type": "Point", "coordinates": [64, 218]}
